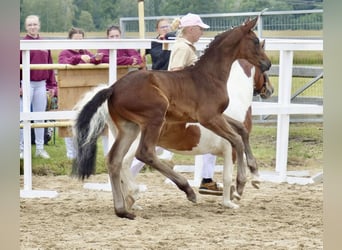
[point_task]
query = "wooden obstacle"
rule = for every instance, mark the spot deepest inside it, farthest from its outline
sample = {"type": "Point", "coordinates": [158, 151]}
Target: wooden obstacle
{"type": "Point", "coordinates": [73, 83]}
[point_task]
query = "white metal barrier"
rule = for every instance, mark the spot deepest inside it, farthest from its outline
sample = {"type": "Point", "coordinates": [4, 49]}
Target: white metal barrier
{"type": "Point", "coordinates": [283, 108]}
{"type": "Point", "coordinates": [26, 116]}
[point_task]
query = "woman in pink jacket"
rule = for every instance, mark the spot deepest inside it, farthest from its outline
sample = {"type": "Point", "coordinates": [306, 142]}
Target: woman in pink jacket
{"type": "Point", "coordinates": [124, 56]}
{"type": "Point", "coordinates": [40, 82]}
{"type": "Point", "coordinates": [77, 56]}
{"type": "Point", "coordinates": [74, 57]}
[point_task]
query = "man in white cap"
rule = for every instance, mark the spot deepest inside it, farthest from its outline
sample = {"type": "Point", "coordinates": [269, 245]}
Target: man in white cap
{"type": "Point", "coordinates": [183, 53]}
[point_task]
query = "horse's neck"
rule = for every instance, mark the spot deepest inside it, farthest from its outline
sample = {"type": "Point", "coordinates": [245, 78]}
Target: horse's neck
{"type": "Point", "coordinates": [218, 62]}
{"type": "Point", "coordinates": [240, 92]}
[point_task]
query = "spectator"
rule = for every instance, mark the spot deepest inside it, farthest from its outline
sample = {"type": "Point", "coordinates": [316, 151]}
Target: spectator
{"type": "Point", "coordinates": [74, 57]}
{"type": "Point", "coordinates": [124, 56]}
{"type": "Point", "coordinates": [160, 57]}
{"type": "Point", "coordinates": [39, 79]}
{"type": "Point", "coordinates": [77, 56]}
{"type": "Point", "coordinates": [183, 54]}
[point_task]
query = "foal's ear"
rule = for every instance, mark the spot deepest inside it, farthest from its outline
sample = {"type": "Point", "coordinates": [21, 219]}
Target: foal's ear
{"type": "Point", "coordinates": [250, 24]}
{"type": "Point", "coordinates": [262, 44]}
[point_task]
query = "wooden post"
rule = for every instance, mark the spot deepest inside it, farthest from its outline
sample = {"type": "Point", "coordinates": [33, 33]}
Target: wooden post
{"type": "Point", "coordinates": [141, 16]}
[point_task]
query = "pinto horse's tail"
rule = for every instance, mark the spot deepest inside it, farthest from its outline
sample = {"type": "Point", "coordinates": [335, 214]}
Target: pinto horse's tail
{"type": "Point", "coordinates": [88, 126]}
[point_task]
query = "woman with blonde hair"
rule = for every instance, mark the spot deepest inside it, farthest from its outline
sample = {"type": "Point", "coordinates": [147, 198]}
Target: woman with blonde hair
{"type": "Point", "coordinates": [183, 54]}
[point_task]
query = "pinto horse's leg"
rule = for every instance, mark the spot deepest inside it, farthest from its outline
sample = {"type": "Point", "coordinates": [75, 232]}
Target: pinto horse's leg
{"type": "Point", "coordinates": [127, 134]}
{"type": "Point", "coordinates": [251, 161]}
{"type": "Point", "coordinates": [221, 127]}
{"type": "Point", "coordinates": [146, 153]}
{"type": "Point", "coordinates": [228, 194]}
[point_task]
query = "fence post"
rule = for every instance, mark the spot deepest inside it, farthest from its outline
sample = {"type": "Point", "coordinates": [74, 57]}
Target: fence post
{"type": "Point", "coordinates": [27, 192]}
{"type": "Point", "coordinates": [27, 128]}
{"type": "Point", "coordinates": [283, 120]}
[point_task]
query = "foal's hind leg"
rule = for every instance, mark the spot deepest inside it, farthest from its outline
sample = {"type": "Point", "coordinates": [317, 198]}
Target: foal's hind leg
{"type": "Point", "coordinates": [221, 127]}
{"type": "Point", "coordinates": [127, 133]}
{"type": "Point", "coordinates": [251, 161]}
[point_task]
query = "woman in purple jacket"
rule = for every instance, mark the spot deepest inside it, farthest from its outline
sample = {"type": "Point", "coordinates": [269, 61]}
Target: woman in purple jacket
{"type": "Point", "coordinates": [77, 56]}
{"type": "Point", "coordinates": [124, 56]}
{"type": "Point", "coordinates": [39, 79]}
{"type": "Point", "coordinates": [74, 57]}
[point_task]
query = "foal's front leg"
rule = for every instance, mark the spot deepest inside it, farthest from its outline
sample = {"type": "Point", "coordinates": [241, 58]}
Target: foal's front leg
{"type": "Point", "coordinates": [146, 153]}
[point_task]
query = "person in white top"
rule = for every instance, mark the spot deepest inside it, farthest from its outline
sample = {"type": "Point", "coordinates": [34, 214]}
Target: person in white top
{"type": "Point", "coordinates": [183, 53]}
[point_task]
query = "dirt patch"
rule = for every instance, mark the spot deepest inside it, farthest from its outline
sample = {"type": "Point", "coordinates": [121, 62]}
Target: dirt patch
{"type": "Point", "coordinates": [277, 216]}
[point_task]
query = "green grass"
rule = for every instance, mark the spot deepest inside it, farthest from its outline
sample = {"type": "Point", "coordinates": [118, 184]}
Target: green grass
{"type": "Point", "coordinates": [59, 164]}
{"type": "Point", "coordinates": [316, 90]}
{"type": "Point", "coordinates": [314, 58]}
{"type": "Point", "coordinates": [305, 151]}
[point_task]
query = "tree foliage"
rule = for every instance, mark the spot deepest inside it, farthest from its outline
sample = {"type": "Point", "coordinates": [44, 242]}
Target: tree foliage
{"type": "Point", "coordinates": [91, 15]}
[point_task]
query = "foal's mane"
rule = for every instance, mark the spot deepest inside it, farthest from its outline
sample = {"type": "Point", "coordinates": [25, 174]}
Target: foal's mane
{"type": "Point", "coordinates": [229, 37]}
{"type": "Point", "coordinates": [218, 39]}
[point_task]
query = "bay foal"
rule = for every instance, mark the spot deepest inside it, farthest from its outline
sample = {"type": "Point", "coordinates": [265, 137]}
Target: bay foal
{"type": "Point", "coordinates": [142, 101]}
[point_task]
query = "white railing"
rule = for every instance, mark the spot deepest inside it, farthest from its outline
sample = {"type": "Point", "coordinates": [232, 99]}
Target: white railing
{"type": "Point", "coordinates": [283, 108]}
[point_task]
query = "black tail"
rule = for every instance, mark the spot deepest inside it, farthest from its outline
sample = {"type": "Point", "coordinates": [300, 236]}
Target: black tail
{"type": "Point", "coordinates": [88, 127]}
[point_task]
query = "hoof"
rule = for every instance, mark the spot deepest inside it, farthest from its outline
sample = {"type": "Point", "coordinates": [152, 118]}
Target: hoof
{"type": "Point", "coordinates": [230, 204]}
{"type": "Point", "coordinates": [126, 215]}
{"type": "Point", "coordinates": [192, 198]}
{"type": "Point", "coordinates": [256, 181]}
{"type": "Point", "coordinates": [236, 196]}
{"type": "Point", "coordinates": [136, 207]}
{"type": "Point", "coordinates": [190, 194]}
{"type": "Point", "coordinates": [255, 184]}
{"type": "Point", "coordinates": [240, 186]}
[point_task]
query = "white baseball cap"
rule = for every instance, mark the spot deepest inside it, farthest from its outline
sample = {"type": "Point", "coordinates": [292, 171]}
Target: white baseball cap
{"type": "Point", "coordinates": [192, 20]}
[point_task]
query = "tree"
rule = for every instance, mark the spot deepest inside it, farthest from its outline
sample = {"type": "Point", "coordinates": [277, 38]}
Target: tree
{"type": "Point", "coordinates": [54, 16]}
{"type": "Point", "coordinates": [85, 21]}
{"type": "Point", "coordinates": [60, 15]}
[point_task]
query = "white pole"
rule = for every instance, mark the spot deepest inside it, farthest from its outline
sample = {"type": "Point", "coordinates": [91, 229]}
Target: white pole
{"type": "Point", "coordinates": [26, 123]}
{"type": "Point", "coordinates": [284, 99]}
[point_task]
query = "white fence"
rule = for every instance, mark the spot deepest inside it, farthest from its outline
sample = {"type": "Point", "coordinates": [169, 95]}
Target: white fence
{"type": "Point", "coordinates": [283, 108]}
{"type": "Point", "coordinates": [293, 20]}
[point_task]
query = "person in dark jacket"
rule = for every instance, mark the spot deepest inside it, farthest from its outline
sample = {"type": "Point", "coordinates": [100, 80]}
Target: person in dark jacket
{"type": "Point", "coordinates": [160, 57]}
{"type": "Point", "coordinates": [39, 79]}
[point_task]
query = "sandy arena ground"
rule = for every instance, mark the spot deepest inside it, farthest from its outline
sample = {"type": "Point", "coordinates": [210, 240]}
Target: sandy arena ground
{"type": "Point", "coordinates": [277, 216]}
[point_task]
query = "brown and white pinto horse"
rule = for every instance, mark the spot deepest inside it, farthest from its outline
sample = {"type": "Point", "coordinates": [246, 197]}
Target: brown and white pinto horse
{"type": "Point", "coordinates": [141, 102]}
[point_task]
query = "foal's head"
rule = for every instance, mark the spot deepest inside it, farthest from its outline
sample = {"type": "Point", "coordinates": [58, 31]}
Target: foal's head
{"type": "Point", "coordinates": [250, 47]}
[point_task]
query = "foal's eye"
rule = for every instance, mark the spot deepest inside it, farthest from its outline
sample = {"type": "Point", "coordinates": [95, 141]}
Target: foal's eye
{"type": "Point", "coordinates": [256, 41]}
